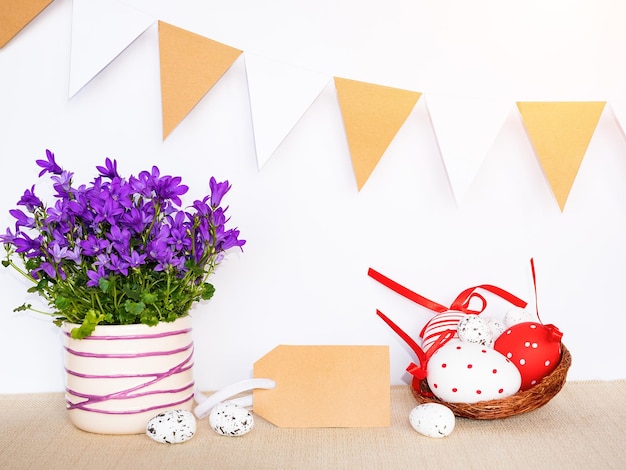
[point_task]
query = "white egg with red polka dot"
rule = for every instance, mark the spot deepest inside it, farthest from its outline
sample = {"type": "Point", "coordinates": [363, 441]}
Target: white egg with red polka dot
{"type": "Point", "coordinates": [461, 372]}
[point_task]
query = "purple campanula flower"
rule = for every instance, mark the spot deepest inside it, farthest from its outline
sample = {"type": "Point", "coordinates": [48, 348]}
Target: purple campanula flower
{"type": "Point", "coordinates": [201, 207]}
{"type": "Point", "coordinates": [169, 187]}
{"type": "Point", "coordinates": [107, 209]}
{"type": "Point", "coordinates": [168, 260]}
{"type": "Point", "coordinates": [178, 263]}
{"type": "Point", "coordinates": [158, 250]}
{"type": "Point", "coordinates": [145, 182]}
{"type": "Point", "coordinates": [58, 213]}
{"type": "Point", "coordinates": [121, 191]}
{"type": "Point", "coordinates": [29, 200]}
{"type": "Point", "coordinates": [49, 165]}
{"type": "Point", "coordinates": [57, 252]}
{"type": "Point", "coordinates": [94, 246]}
{"type": "Point", "coordinates": [179, 237]}
{"type": "Point", "coordinates": [137, 219]}
{"type": "Point", "coordinates": [63, 184]}
{"type": "Point", "coordinates": [29, 246]}
{"type": "Point", "coordinates": [109, 170]}
{"type": "Point", "coordinates": [74, 254]}
{"type": "Point", "coordinates": [79, 207]}
{"type": "Point", "coordinates": [7, 237]}
{"type": "Point", "coordinates": [117, 265]}
{"type": "Point", "coordinates": [21, 219]}
{"type": "Point", "coordinates": [46, 268]}
{"type": "Point", "coordinates": [119, 238]}
{"type": "Point", "coordinates": [102, 260]}
{"type": "Point", "coordinates": [217, 191]}
{"type": "Point", "coordinates": [60, 235]}
{"type": "Point", "coordinates": [230, 239]}
{"type": "Point", "coordinates": [134, 259]}
{"type": "Point", "coordinates": [94, 276]}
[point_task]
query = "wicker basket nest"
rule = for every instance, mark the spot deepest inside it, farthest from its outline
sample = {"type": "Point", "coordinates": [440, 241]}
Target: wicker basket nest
{"type": "Point", "coordinates": [521, 402]}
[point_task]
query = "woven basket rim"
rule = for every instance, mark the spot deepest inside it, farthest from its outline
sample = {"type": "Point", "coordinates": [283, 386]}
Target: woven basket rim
{"type": "Point", "coordinates": [522, 402]}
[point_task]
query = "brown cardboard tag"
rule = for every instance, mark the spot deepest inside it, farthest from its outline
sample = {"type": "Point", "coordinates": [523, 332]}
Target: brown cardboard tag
{"type": "Point", "coordinates": [325, 386]}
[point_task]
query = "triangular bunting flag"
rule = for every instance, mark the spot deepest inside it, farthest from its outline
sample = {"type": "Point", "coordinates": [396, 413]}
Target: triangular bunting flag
{"type": "Point", "coordinates": [101, 30]}
{"type": "Point", "coordinates": [560, 133]}
{"type": "Point", "coordinates": [372, 115]}
{"type": "Point", "coordinates": [279, 96]}
{"type": "Point", "coordinates": [465, 128]}
{"type": "Point", "coordinates": [190, 65]}
{"type": "Point", "coordinates": [619, 111]}
{"type": "Point", "coordinates": [15, 14]}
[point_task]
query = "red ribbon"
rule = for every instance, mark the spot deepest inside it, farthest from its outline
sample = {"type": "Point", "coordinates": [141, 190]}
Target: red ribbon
{"type": "Point", "coordinates": [418, 371]}
{"type": "Point", "coordinates": [461, 303]}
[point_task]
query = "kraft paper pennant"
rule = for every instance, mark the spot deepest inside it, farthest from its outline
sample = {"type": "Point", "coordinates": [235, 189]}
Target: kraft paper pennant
{"type": "Point", "coordinates": [101, 30]}
{"type": "Point", "coordinates": [560, 133]}
{"type": "Point", "coordinates": [190, 65]}
{"type": "Point", "coordinates": [465, 128]}
{"type": "Point", "coordinates": [325, 386]}
{"type": "Point", "coordinates": [279, 95]}
{"type": "Point", "coordinates": [372, 115]}
{"type": "Point", "coordinates": [16, 14]}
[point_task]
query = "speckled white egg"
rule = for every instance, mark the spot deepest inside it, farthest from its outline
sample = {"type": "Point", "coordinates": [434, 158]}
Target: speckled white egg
{"type": "Point", "coordinates": [474, 329]}
{"type": "Point", "coordinates": [172, 427]}
{"type": "Point", "coordinates": [432, 419]}
{"type": "Point", "coordinates": [461, 372]}
{"type": "Point", "coordinates": [518, 315]}
{"type": "Point", "coordinates": [496, 326]}
{"type": "Point", "coordinates": [230, 419]}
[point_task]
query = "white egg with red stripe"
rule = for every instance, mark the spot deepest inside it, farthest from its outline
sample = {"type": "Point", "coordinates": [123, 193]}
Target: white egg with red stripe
{"type": "Point", "coordinates": [461, 372]}
{"type": "Point", "coordinates": [438, 325]}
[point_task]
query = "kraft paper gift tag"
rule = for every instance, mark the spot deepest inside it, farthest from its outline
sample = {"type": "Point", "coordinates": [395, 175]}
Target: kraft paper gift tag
{"type": "Point", "coordinates": [325, 386]}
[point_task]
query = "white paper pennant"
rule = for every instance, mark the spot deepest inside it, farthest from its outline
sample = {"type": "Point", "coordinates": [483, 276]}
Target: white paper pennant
{"type": "Point", "coordinates": [619, 111]}
{"type": "Point", "coordinates": [465, 128]}
{"type": "Point", "coordinates": [101, 30]}
{"type": "Point", "coordinates": [280, 94]}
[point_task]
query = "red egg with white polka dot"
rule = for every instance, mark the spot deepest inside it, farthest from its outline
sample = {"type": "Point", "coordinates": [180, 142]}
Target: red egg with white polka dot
{"type": "Point", "coordinates": [534, 348]}
{"type": "Point", "coordinates": [462, 372]}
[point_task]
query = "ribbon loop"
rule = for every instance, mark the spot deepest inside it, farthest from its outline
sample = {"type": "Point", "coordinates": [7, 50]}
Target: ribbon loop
{"type": "Point", "coordinates": [462, 301]}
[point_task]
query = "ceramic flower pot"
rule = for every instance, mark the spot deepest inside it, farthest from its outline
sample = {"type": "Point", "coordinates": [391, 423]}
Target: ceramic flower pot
{"type": "Point", "coordinates": [121, 376]}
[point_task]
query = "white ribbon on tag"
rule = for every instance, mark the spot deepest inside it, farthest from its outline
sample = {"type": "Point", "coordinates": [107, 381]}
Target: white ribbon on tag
{"type": "Point", "coordinates": [206, 404]}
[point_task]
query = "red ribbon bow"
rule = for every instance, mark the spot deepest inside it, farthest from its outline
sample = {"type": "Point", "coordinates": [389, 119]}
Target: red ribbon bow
{"type": "Point", "coordinates": [461, 303]}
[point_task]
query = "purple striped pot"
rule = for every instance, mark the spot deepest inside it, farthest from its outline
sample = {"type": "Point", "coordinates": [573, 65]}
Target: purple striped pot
{"type": "Point", "coordinates": [123, 375]}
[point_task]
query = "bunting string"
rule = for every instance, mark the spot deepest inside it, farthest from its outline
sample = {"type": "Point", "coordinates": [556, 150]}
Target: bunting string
{"type": "Point", "coordinates": [280, 94]}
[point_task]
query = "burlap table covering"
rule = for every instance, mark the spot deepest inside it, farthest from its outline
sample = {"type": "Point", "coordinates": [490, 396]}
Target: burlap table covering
{"type": "Point", "coordinates": [584, 426]}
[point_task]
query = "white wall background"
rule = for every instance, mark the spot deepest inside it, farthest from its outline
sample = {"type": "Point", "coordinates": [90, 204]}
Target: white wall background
{"type": "Point", "coordinates": [311, 235]}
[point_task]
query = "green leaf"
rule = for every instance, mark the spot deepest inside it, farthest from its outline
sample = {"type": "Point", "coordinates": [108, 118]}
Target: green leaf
{"type": "Point", "coordinates": [22, 308]}
{"type": "Point", "coordinates": [207, 291]}
{"type": "Point", "coordinates": [149, 298]}
{"type": "Point", "coordinates": [88, 326]}
{"type": "Point", "coordinates": [6, 263]}
{"type": "Point", "coordinates": [131, 293]}
{"type": "Point", "coordinates": [149, 319]}
{"type": "Point", "coordinates": [62, 302]}
{"type": "Point", "coordinates": [134, 308]}
{"type": "Point", "coordinates": [104, 284]}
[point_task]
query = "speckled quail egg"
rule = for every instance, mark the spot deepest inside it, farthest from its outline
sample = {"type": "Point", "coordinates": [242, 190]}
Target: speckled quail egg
{"type": "Point", "coordinates": [172, 426]}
